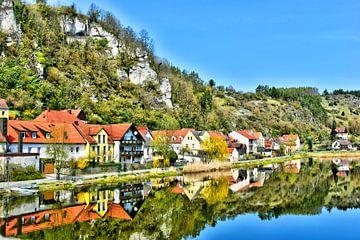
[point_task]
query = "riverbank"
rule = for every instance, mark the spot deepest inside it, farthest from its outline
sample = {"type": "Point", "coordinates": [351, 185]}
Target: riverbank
{"type": "Point", "coordinates": [338, 154]}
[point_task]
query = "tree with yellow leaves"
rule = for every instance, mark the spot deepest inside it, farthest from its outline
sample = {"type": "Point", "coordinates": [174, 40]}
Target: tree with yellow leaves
{"type": "Point", "coordinates": [214, 148]}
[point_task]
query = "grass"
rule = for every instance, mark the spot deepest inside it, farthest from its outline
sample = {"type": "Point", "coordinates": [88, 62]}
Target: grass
{"type": "Point", "coordinates": [206, 167]}
{"type": "Point", "coordinates": [109, 180]}
{"type": "Point", "coordinates": [333, 154]}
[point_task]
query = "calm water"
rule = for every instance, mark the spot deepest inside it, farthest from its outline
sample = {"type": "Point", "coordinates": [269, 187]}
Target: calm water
{"type": "Point", "coordinates": [297, 200]}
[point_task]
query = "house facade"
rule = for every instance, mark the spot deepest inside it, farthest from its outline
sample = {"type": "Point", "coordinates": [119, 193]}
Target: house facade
{"type": "Point", "coordinates": [245, 138]}
{"type": "Point", "coordinates": [175, 137]}
{"type": "Point", "coordinates": [342, 133]}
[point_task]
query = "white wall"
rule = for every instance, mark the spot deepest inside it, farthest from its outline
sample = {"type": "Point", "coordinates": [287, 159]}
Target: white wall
{"type": "Point", "coordinates": [41, 148]}
{"type": "Point", "coordinates": [241, 139]}
{"type": "Point", "coordinates": [23, 161]}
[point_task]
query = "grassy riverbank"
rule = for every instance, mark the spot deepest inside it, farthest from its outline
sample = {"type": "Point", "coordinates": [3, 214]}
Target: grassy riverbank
{"type": "Point", "coordinates": [355, 154]}
{"type": "Point", "coordinates": [108, 180]}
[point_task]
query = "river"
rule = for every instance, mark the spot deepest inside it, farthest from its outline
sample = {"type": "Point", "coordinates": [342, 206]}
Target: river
{"type": "Point", "coordinates": [302, 199]}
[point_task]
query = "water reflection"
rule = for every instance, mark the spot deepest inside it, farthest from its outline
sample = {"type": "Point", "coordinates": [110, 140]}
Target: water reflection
{"type": "Point", "coordinates": [176, 208]}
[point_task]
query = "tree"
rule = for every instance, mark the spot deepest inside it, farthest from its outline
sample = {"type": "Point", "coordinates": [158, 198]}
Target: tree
{"type": "Point", "coordinates": [94, 13]}
{"type": "Point", "coordinates": [161, 144]}
{"type": "Point", "coordinates": [184, 150]}
{"type": "Point", "coordinates": [325, 93]}
{"type": "Point", "coordinates": [211, 83]}
{"type": "Point", "coordinates": [56, 148]}
{"type": "Point", "coordinates": [310, 143]}
{"type": "Point", "coordinates": [214, 148]}
{"type": "Point", "coordinates": [333, 130]}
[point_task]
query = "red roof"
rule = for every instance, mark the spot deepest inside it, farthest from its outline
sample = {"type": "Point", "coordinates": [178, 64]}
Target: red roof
{"type": "Point", "coordinates": [247, 135]}
{"type": "Point", "coordinates": [230, 150]}
{"type": "Point", "coordinates": [3, 104]}
{"type": "Point", "coordinates": [67, 132]}
{"type": "Point", "coordinates": [117, 131]}
{"type": "Point", "coordinates": [173, 135]}
{"type": "Point", "coordinates": [53, 116]}
{"type": "Point", "coordinates": [341, 130]}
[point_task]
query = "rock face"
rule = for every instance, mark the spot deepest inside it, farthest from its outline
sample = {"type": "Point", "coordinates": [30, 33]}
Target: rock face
{"type": "Point", "coordinates": [80, 30]}
{"type": "Point", "coordinates": [142, 72]}
{"type": "Point", "coordinates": [165, 89]}
{"type": "Point", "coordinates": [7, 17]}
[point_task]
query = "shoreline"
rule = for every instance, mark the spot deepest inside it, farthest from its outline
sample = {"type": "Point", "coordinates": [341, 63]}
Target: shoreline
{"type": "Point", "coordinates": [46, 184]}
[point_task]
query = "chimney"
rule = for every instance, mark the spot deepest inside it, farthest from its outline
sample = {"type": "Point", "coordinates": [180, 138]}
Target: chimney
{"type": "Point", "coordinates": [20, 143]}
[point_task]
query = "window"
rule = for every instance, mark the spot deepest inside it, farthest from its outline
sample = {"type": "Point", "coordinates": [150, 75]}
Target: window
{"type": "Point", "coordinates": [22, 135]}
{"type": "Point", "coordinates": [47, 217]}
{"type": "Point", "coordinates": [77, 149]}
{"type": "Point", "coordinates": [99, 207]}
{"type": "Point", "coordinates": [193, 145]}
{"type": "Point", "coordinates": [94, 148]}
{"type": "Point", "coordinates": [71, 149]}
{"type": "Point", "coordinates": [3, 113]}
{"type": "Point", "coordinates": [32, 219]}
{"type": "Point", "coordinates": [104, 208]}
{"type": "Point", "coordinates": [104, 150]}
{"type": "Point", "coordinates": [104, 194]}
{"type": "Point", "coordinates": [98, 150]}
{"type": "Point", "coordinates": [104, 138]}
{"type": "Point", "coordinates": [39, 149]}
{"type": "Point", "coordinates": [99, 138]}
{"type": "Point", "coordinates": [173, 138]}
{"type": "Point", "coordinates": [29, 149]}
{"type": "Point", "coordinates": [109, 148]}
{"type": "Point", "coordinates": [47, 135]}
{"type": "Point", "coordinates": [33, 135]}
{"type": "Point", "coordinates": [181, 138]}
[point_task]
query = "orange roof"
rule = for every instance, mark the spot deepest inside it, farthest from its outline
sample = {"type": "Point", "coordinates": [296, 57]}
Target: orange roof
{"type": "Point", "coordinates": [53, 116]}
{"type": "Point", "coordinates": [117, 131]}
{"type": "Point", "coordinates": [247, 135]}
{"type": "Point", "coordinates": [172, 133]}
{"type": "Point", "coordinates": [3, 104]}
{"type": "Point", "coordinates": [67, 132]}
{"type": "Point", "coordinates": [143, 130]}
{"type": "Point", "coordinates": [217, 134]}
{"type": "Point", "coordinates": [341, 130]}
{"type": "Point", "coordinates": [90, 130]}
{"type": "Point", "coordinates": [178, 189]}
{"type": "Point", "coordinates": [230, 150]}
{"type": "Point", "coordinates": [117, 211]}
{"type": "Point", "coordinates": [290, 137]}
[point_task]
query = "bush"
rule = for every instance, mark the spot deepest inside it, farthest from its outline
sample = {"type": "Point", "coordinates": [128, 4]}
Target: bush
{"type": "Point", "coordinates": [156, 163]}
{"type": "Point", "coordinates": [18, 173]}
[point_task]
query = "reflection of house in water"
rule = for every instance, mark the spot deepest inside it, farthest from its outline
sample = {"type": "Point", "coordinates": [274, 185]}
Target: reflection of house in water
{"type": "Point", "coordinates": [293, 166]}
{"type": "Point", "coordinates": [122, 203]}
{"type": "Point", "coordinates": [242, 179]}
{"type": "Point", "coordinates": [342, 167]}
{"type": "Point", "coordinates": [191, 188]}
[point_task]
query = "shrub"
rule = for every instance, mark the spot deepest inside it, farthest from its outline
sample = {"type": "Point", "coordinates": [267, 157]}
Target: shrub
{"type": "Point", "coordinates": [156, 163]}
{"type": "Point", "coordinates": [19, 173]}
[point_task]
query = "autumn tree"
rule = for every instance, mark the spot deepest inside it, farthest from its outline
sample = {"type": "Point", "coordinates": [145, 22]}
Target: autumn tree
{"type": "Point", "coordinates": [214, 148]}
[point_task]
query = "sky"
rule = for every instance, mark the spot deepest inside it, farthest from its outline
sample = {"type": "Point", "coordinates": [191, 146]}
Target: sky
{"type": "Point", "coordinates": [245, 43]}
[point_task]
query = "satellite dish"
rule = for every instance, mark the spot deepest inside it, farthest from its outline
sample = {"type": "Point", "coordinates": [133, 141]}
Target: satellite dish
{"type": "Point", "coordinates": [135, 133]}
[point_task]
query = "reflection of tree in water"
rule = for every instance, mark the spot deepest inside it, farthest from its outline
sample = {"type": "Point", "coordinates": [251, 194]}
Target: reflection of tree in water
{"type": "Point", "coordinates": [167, 215]}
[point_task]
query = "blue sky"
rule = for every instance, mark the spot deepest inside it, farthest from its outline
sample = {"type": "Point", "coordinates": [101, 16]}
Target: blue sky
{"type": "Point", "coordinates": [245, 43]}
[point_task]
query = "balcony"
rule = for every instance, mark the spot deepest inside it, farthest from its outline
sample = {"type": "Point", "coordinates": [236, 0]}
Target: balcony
{"type": "Point", "coordinates": [126, 142]}
{"type": "Point", "coordinates": [132, 153]}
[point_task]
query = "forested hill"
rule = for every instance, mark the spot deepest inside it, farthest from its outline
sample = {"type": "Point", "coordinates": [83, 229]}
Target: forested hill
{"type": "Point", "coordinates": [58, 58]}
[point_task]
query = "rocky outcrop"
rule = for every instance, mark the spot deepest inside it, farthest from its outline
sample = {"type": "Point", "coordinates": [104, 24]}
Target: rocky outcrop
{"type": "Point", "coordinates": [165, 89]}
{"type": "Point", "coordinates": [80, 30]}
{"type": "Point", "coordinates": [142, 72]}
{"type": "Point", "coordinates": [8, 23]}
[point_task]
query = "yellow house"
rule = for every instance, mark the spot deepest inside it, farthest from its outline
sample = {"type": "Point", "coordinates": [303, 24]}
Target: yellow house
{"type": "Point", "coordinates": [193, 140]}
{"type": "Point", "coordinates": [100, 146]}
{"type": "Point", "coordinates": [100, 197]}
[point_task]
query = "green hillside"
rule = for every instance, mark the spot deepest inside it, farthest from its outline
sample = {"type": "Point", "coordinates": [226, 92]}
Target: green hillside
{"type": "Point", "coordinates": [45, 67]}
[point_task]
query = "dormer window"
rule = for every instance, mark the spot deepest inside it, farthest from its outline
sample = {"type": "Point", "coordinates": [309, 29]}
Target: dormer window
{"type": "Point", "coordinates": [22, 135]}
{"type": "Point", "coordinates": [33, 135]}
{"type": "Point", "coordinates": [47, 135]}
{"type": "Point", "coordinates": [181, 138]}
{"type": "Point", "coordinates": [173, 138]}
{"type": "Point", "coordinates": [3, 113]}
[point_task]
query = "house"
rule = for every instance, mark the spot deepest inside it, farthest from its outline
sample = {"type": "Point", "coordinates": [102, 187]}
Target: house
{"type": "Point", "coordinates": [175, 137]}
{"type": "Point", "coordinates": [62, 116]}
{"type": "Point", "coordinates": [342, 133]}
{"type": "Point", "coordinates": [291, 142]}
{"type": "Point", "coordinates": [128, 142]}
{"type": "Point", "coordinates": [246, 138]}
{"type": "Point", "coordinates": [148, 137]}
{"type": "Point", "coordinates": [233, 154]}
{"type": "Point", "coordinates": [341, 145]}
{"type": "Point", "coordinates": [35, 137]}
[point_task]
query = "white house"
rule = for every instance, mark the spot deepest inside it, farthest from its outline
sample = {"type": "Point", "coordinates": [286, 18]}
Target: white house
{"type": "Point", "coordinates": [233, 154]}
{"type": "Point", "coordinates": [245, 138]}
{"type": "Point", "coordinates": [342, 133]}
